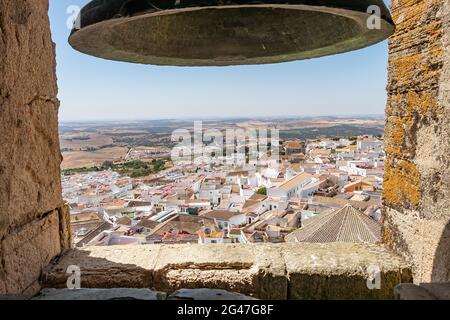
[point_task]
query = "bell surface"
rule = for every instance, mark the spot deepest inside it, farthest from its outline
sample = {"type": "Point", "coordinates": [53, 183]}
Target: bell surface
{"type": "Point", "coordinates": [221, 32]}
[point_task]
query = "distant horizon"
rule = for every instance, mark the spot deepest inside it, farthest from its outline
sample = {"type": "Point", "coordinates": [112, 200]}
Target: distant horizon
{"type": "Point", "coordinates": [378, 116]}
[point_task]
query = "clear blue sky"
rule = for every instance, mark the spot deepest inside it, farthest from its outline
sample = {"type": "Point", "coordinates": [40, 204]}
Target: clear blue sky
{"type": "Point", "coordinates": [95, 89]}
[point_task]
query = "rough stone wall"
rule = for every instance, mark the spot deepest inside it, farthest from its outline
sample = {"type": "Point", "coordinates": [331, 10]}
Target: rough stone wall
{"type": "Point", "coordinates": [417, 133]}
{"type": "Point", "coordinates": [265, 271]}
{"type": "Point", "coordinates": [33, 228]}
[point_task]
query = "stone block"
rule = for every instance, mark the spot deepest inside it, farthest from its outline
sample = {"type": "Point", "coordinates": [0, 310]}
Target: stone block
{"type": "Point", "coordinates": [440, 290]}
{"type": "Point", "coordinates": [342, 271]}
{"type": "Point", "coordinates": [27, 251]}
{"type": "Point", "coordinates": [100, 294]}
{"type": "Point", "coordinates": [207, 294]}
{"type": "Point", "coordinates": [106, 267]}
{"type": "Point", "coordinates": [410, 291]}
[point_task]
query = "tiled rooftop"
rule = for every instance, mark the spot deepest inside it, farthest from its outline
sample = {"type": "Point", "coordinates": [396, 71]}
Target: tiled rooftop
{"type": "Point", "coordinates": [343, 225]}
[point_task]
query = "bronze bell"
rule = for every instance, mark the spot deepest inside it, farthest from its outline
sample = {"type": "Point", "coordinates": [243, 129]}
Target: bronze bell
{"type": "Point", "coordinates": [227, 32]}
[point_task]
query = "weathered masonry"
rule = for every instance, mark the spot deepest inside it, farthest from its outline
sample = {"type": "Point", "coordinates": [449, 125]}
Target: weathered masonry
{"type": "Point", "coordinates": [417, 133]}
{"type": "Point", "coordinates": [34, 220]}
{"type": "Point", "coordinates": [33, 225]}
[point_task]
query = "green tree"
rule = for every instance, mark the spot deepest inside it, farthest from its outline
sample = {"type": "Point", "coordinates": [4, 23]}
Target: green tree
{"type": "Point", "coordinates": [262, 191]}
{"type": "Point", "coordinates": [158, 165]}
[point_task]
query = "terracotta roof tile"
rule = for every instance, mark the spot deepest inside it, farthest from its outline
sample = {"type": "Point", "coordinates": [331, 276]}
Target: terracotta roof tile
{"type": "Point", "coordinates": [343, 225]}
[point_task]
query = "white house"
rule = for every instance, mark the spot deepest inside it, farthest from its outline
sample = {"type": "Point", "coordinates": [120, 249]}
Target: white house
{"type": "Point", "coordinates": [225, 219]}
{"type": "Point", "coordinates": [207, 236]}
{"type": "Point", "coordinates": [121, 187]}
{"type": "Point", "coordinates": [213, 193]}
{"type": "Point", "coordinates": [369, 144]}
{"type": "Point", "coordinates": [292, 187]}
{"type": "Point", "coordinates": [272, 203]}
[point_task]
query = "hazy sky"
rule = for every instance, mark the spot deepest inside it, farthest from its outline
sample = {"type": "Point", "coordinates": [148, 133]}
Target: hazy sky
{"type": "Point", "coordinates": [93, 89]}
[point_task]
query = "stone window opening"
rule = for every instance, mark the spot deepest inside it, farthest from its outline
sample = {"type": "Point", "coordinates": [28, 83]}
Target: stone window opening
{"type": "Point", "coordinates": [34, 223]}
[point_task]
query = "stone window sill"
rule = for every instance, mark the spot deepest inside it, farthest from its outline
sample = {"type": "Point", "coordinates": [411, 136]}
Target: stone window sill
{"type": "Point", "coordinates": [265, 271]}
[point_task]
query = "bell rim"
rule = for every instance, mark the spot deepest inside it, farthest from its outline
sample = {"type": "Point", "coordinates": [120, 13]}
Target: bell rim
{"type": "Point", "coordinates": [93, 12]}
{"type": "Point", "coordinates": [387, 29]}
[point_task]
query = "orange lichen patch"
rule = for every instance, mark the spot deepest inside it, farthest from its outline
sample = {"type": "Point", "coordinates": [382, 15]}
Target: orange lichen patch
{"type": "Point", "coordinates": [401, 183]}
{"type": "Point", "coordinates": [410, 104]}
{"type": "Point", "coordinates": [410, 68]}
{"type": "Point", "coordinates": [404, 67]}
{"type": "Point", "coordinates": [388, 240]}
{"type": "Point", "coordinates": [434, 31]}
{"type": "Point", "coordinates": [394, 150]}
{"type": "Point", "coordinates": [435, 54]}
{"type": "Point", "coordinates": [414, 18]}
{"type": "Point", "coordinates": [396, 98]}
{"type": "Point", "coordinates": [414, 57]}
{"type": "Point", "coordinates": [408, 11]}
{"type": "Point", "coordinates": [395, 134]}
{"type": "Point", "coordinates": [421, 102]}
